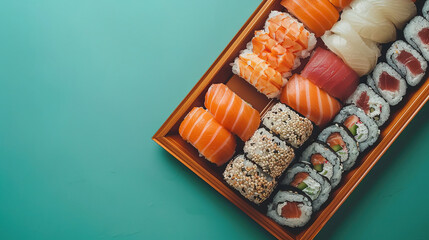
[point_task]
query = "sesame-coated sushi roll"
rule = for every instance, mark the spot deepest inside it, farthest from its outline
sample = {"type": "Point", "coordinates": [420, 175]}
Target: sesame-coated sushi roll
{"type": "Point", "coordinates": [417, 35]}
{"type": "Point", "coordinates": [306, 179]}
{"type": "Point", "coordinates": [324, 160]}
{"type": "Point", "coordinates": [288, 125]}
{"type": "Point", "coordinates": [363, 128]}
{"type": "Point", "coordinates": [342, 142]}
{"type": "Point", "coordinates": [270, 153]}
{"type": "Point", "coordinates": [249, 179]}
{"type": "Point", "coordinates": [290, 208]}
{"type": "Point", "coordinates": [407, 61]}
{"type": "Point", "coordinates": [371, 103]}
{"type": "Point", "coordinates": [388, 83]}
{"type": "Point", "coordinates": [257, 72]}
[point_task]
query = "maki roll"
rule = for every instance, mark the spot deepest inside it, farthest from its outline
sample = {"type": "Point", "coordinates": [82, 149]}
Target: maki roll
{"type": "Point", "coordinates": [388, 83]}
{"type": "Point", "coordinates": [362, 127]}
{"type": "Point", "coordinates": [324, 160]}
{"type": "Point", "coordinates": [407, 61]}
{"type": "Point", "coordinates": [343, 143]}
{"type": "Point", "coordinates": [288, 125]}
{"type": "Point", "coordinates": [249, 179]}
{"type": "Point", "coordinates": [306, 179]}
{"type": "Point", "coordinates": [371, 103]}
{"type": "Point", "coordinates": [417, 35]}
{"type": "Point", "coordinates": [290, 208]}
{"type": "Point", "coordinates": [270, 153]}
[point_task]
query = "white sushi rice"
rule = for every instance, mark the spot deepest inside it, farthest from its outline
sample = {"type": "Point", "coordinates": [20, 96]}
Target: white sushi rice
{"type": "Point", "coordinates": [393, 98]}
{"type": "Point", "coordinates": [318, 186]}
{"type": "Point", "coordinates": [281, 199]}
{"type": "Point", "coordinates": [379, 108]}
{"type": "Point", "coordinates": [367, 132]}
{"type": "Point", "coordinates": [312, 41]}
{"type": "Point", "coordinates": [394, 51]}
{"type": "Point", "coordinates": [332, 169]}
{"type": "Point", "coordinates": [411, 31]}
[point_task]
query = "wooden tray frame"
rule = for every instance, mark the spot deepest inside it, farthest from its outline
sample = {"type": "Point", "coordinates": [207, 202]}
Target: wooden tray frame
{"type": "Point", "coordinates": [220, 71]}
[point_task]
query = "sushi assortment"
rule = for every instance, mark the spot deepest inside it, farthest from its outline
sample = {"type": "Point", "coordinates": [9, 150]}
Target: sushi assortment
{"type": "Point", "coordinates": [322, 118]}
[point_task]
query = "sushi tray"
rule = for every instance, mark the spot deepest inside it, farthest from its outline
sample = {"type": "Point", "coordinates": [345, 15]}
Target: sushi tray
{"type": "Point", "coordinates": [301, 104]}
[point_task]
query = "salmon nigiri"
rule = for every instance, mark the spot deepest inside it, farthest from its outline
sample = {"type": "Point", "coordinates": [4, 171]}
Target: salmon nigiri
{"type": "Point", "coordinates": [231, 111]}
{"type": "Point", "coordinates": [309, 100]}
{"type": "Point", "coordinates": [275, 54]}
{"type": "Point", "coordinates": [341, 3]}
{"type": "Point", "coordinates": [290, 33]}
{"type": "Point", "coordinates": [318, 15]}
{"type": "Point", "coordinates": [210, 138]}
{"type": "Point", "coordinates": [257, 72]}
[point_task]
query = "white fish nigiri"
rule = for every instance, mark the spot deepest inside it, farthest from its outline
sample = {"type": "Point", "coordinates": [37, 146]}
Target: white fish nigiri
{"type": "Point", "coordinates": [369, 22]}
{"type": "Point", "coordinates": [359, 54]}
{"type": "Point", "coordinates": [397, 11]}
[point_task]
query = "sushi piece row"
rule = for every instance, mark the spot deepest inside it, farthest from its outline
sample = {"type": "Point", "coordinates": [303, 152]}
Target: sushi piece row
{"type": "Point", "coordinates": [273, 53]}
{"type": "Point", "coordinates": [268, 153]}
{"type": "Point", "coordinates": [211, 131]}
{"type": "Point", "coordinates": [319, 168]}
{"type": "Point", "coordinates": [364, 25]}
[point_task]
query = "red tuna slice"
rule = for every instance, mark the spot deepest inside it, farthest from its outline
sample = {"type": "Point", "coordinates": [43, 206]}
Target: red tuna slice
{"type": "Point", "coordinates": [387, 82]}
{"type": "Point", "coordinates": [424, 35]}
{"type": "Point", "coordinates": [331, 74]}
{"type": "Point", "coordinates": [291, 210]}
{"type": "Point", "coordinates": [362, 102]}
{"type": "Point", "coordinates": [411, 62]}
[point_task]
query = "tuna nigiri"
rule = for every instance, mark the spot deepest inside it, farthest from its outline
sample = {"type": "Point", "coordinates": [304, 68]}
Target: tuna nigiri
{"type": "Point", "coordinates": [210, 138]}
{"type": "Point", "coordinates": [231, 111]}
{"type": "Point", "coordinates": [290, 33]}
{"type": "Point", "coordinates": [309, 100]}
{"type": "Point", "coordinates": [331, 74]}
{"type": "Point", "coordinates": [359, 54]}
{"type": "Point", "coordinates": [318, 15]}
{"type": "Point", "coordinates": [257, 72]}
{"type": "Point", "coordinates": [275, 54]}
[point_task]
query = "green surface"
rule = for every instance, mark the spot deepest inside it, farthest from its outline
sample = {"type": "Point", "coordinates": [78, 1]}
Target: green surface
{"type": "Point", "coordinates": [84, 86]}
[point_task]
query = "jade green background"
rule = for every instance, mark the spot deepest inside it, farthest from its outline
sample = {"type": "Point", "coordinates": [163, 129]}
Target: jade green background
{"type": "Point", "coordinates": [85, 84]}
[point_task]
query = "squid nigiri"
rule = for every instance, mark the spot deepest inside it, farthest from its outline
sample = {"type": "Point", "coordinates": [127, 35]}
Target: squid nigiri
{"type": "Point", "coordinates": [231, 111]}
{"type": "Point", "coordinates": [210, 138]}
{"type": "Point", "coordinates": [396, 11]}
{"type": "Point", "coordinates": [257, 72]}
{"type": "Point", "coordinates": [369, 22]}
{"type": "Point", "coordinates": [359, 54]}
